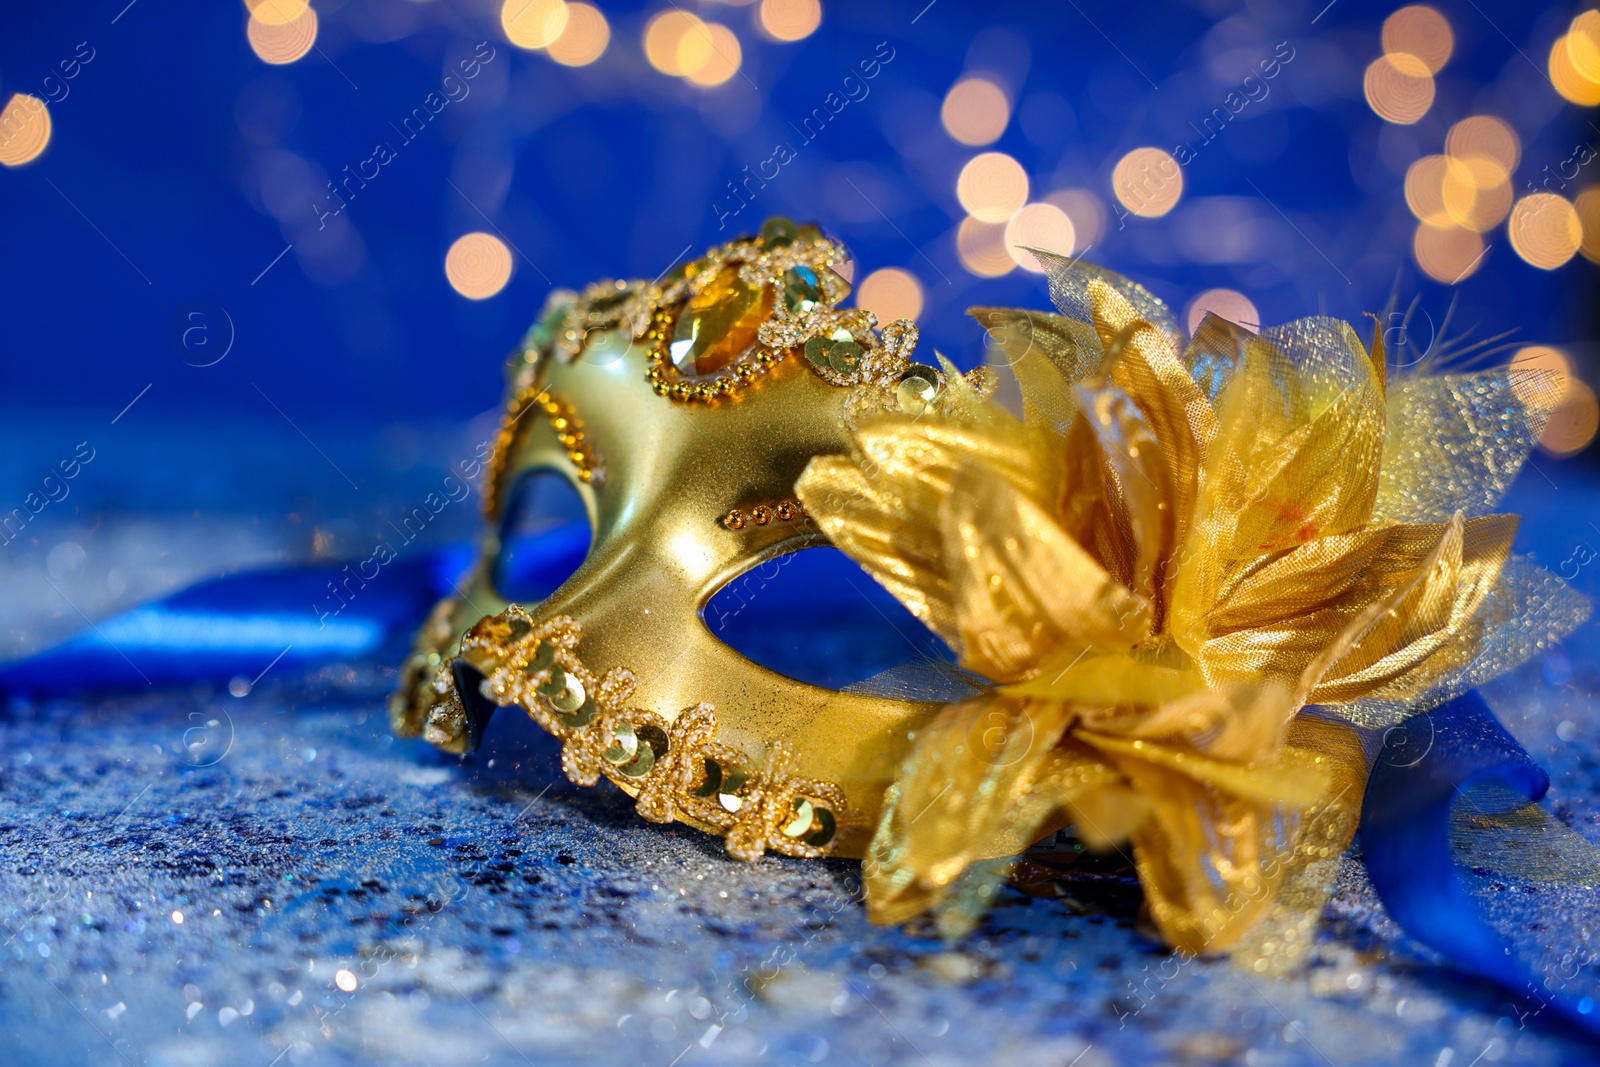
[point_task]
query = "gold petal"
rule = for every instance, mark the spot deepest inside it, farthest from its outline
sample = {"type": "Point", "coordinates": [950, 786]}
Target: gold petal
{"type": "Point", "coordinates": [1047, 353]}
{"type": "Point", "coordinates": [1138, 466]}
{"type": "Point", "coordinates": [1177, 411]}
{"type": "Point", "coordinates": [1401, 593]}
{"type": "Point", "coordinates": [1109, 680]}
{"type": "Point", "coordinates": [902, 551]}
{"type": "Point", "coordinates": [1326, 483]}
{"type": "Point", "coordinates": [1280, 780]}
{"type": "Point", "coordinates": [1284, 931]}
{"type": "Point", "coordinates": [1401, 636]}
{"type": "Point", "coordinates": [984, 780]}
{"type": "Point", "coordinates": [914, 461]}
{"type": "Point", "coordinates": [1296, 460]}
{"type": "Point", "coordinates": [1342, 572]}
{"type": "Point", "coordinates": [1071, 282]}
{"type": "Point", "coordinates": [1210, 855]}
{"type": "Point", "coordinates": [1022, 587]}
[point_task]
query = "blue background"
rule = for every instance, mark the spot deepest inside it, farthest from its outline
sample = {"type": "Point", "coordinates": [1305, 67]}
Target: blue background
{"type": "Point", "coordinates": [181, 166]}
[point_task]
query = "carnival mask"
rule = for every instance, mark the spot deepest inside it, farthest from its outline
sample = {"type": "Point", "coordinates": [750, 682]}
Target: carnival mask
{"type": "Point", "coordinates": [682, 411]}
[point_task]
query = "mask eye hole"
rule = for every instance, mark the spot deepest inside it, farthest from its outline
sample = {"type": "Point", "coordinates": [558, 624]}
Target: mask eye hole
{"type": "Point", "coordinates": [544, 536]}
{"type": "Point", "coordinates": [818, 618]}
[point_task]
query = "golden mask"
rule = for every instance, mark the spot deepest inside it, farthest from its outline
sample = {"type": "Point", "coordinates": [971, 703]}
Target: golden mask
{"type": "Point", "coordinates": [683, 411]}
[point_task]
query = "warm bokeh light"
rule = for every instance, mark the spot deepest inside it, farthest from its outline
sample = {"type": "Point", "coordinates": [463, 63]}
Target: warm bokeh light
{"type": "Point", "coordinates": [1227, 304]}
{"type": "Point", "coordinates": [1476, 194]}
{"type": "Point", "coordinates": [673, 37]}
{"type": "Point", "coordinates": [276, 12]}
{"type": "Point", "coordinates": [1148, 182]}
{"type": "Point", "coordinates": [1488, 138]}
{"type": "Point", "coordinates": [1545, 230]}
{"type": "Point", "coordinates": [1588, 208]}
{"type": "Point", "coordinates": [1419, 31]}
{"type": "Point", "coordinates": [1042, 226]}
{"type": "Point", "coordinates": [1569, 81]}
{"type": "Point", "coordinates": [891, 293]}
{"type": "Point", "coordinates": [1583, 45]}
{"type": "Point", "coordinates": [533, 24]}
{"type": "Point", "coordinates": [283, 42]}
{"type": "Point", "coordinates": [1572, 425]}
{"type": "Point", "coordinates": [584, 39]}
{"type": "Point", "coordinates": [790, 20]}
{"type": "Point", "coordinates": [975, 111]}
{"type": "Point", "coordinates": [1399, 87]}
{"type": "Point", "coordinates": [1425, 189]}
{"type": "Point", "coordinates": [1447, 254]}
{"type": "Point", "coordinates": [1531, 388]}
{"type": "Point", "coordinates": [721, 56]}
{"type": "Point", "coordinates": [478, 265]}
{"type": "Point", "coordinates": [992, 186]}
{"type": "Point", "coordinates": [982, 247]}
{"type": "Point", "coordinates": [1087, 212]}
{"type": "Point", "coordinates": [24, 129]}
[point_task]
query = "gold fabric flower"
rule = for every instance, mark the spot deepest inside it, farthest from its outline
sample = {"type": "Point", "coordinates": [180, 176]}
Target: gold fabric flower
{"type": "Point", "coordinates": [1172, 552]}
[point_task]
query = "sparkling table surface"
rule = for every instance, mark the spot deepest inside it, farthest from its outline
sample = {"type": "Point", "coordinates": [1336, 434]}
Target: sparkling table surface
{"type": "Point", "coordinates": [195, 877]}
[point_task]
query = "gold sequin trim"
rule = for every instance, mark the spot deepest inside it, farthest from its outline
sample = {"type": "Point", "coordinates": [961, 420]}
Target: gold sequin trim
{"type": "Point", "coordinates": [678, 770]}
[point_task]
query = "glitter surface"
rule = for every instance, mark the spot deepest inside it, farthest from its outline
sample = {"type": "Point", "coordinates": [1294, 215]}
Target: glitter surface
{"type": "Point", "coordinates": [345, 897]}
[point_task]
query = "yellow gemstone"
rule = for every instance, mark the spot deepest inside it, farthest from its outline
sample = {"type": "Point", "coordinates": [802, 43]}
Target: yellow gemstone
{"type": "Point", "coordinates": [719, 324]}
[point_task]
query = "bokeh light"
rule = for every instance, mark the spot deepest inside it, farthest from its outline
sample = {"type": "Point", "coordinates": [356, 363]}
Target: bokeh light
{"type": "Point", "coordinates": [1476, 194]}
{"type": "Point", "coordinates": [1545, 230]}
{"type": "Point", "coordinates": [478, 265]}
{"type": "Point", "coordinates": [992, 187]}
{"type": "Point", "coordinates": [584, 39]}
{"type": "Point", "coordinates": [1420, 31]}
{"type": "Point", "coordinates": [1532, 387]}
{"type": "Point", "coordinates": [1583, 45]}
{"type": "Point", "coordinates": [721, 55]}
{"type": "Point", "coordinates": [276, 12]}
{"type": "Point", "coordinates": [533, 24]}
{"type": "Point", "coordinates": [1573, 423]}
{"type": "Point", "coordinates": [1485, 137]}
{"type": "Point", "coordinates": [790, 20]}
{"type": "Point", "coordinates": [890, 293]}
{"type": "Point", "coordinates": [283, 42]}
{"type": "Point", "coordinates": [1588, 207]}
{"type": "Point", "coordinates": [1448, 254]}
{"type": "Point", "coordinates": [1399, 87]}
{"type": "Point", "coordinates": [1043, 226]}
{"type": "Point", "coordinates": [1227, 304]}
{"type": "Point", "coordinates": [1148, 182]}
{"type": "Point", "coordinates": [1569, 80]}
{"type": "Point", "coordinates": [24, 129]}
{"type": "Point", "coordinates": [982, 248]}
{"type": "Point", "coordinates": [1087, 212]}
{"type": "Point", "coordinates": [676, 43]}
{"type": "Point", "coordinates": [1425, 189]}
{"type": "Point", "coordinates": [975, 111]}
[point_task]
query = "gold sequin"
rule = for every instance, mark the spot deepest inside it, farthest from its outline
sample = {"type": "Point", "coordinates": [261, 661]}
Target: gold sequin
{"type": "Point", "coordinates": [678, 769]}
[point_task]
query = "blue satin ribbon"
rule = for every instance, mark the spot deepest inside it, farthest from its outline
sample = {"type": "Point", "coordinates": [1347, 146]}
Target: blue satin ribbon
{"type": "Point", "coordinates": [285, 619]}
{"type": "Point", "coordinates": [1426, 764]}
